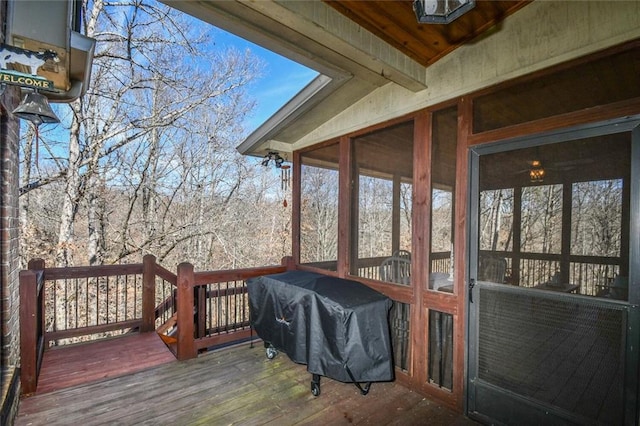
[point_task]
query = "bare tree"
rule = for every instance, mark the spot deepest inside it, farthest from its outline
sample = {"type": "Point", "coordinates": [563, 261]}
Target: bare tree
{"type": "Point", "coordinates": [542, 219]}
{"type": "Point", "coordinates": [597, 218]}
{"type": "Point", "coordinates": [319, 221]}
{"type": "Point", "coordinates": [496, 219]}
{"type": "Point", "coordinates": [155, 82]}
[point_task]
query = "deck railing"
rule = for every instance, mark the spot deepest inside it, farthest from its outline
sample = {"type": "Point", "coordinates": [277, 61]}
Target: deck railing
{"type": "Point", "coordinates": [59, 306]}
{"type": "Point", "coordinates": [85, 303]}
{"type": "Point", "coordinates": [213, 307]}
{"type": "Point", "coordinates": [196, 310]}
{"type": "Point", "coordinates": [593, 274]}
{"type": "Point", "coordinates": [370, 268]}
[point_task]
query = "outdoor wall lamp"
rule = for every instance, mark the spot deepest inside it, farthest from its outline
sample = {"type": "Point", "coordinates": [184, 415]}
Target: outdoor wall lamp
{"type": "Point", "coordinates": [441, 11]}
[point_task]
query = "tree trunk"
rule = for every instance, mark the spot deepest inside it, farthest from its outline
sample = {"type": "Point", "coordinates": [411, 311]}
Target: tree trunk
{"type": "Point", "coordinates": [149, 185]}
{"type": "Point", "coordinates": [96, 216]}
{"type": "Point", "coordinates": [25, 177]}
{"type": "Point", "coordinates": [72, 194]}
{"type": "Point", "coordinates": [497, 222]}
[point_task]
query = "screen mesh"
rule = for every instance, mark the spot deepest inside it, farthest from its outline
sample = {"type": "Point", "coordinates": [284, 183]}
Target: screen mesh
{"type": "Point", "coordinates": [441, 349]}
{"type": "Point", "coordinates": [400, 327]}
{"type": "Point", "coordinates": [565, 352]}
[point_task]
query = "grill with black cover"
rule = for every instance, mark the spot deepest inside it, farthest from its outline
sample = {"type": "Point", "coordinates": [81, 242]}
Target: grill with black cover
{"type": "Point", "coordinates": [339, 328]}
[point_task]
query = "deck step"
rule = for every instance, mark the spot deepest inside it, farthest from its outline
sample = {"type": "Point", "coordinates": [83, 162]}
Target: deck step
{"type": "Point", "coordinates": [168, 325]}
{"type": "Point", "coordinates": [169, 340]}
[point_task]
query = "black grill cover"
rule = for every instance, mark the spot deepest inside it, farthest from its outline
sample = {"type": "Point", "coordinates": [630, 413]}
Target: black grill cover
{"type": "Point", "coordinates": [330, 324]}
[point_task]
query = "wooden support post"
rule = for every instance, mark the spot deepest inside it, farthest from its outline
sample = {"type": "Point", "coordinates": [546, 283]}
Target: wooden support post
{"type": "Point", "coordinates": [148, 293]}
{"type": "Point", "coordinates": [288, 262]}
{"type": "Point", "coordinates": [29, 331]}
{"type": "Point", "coordinates": [395, 213]}
{"type": "Point", "coordinates": [296, 206]}
{"type": "Point", "coordinates": [186, 343]}
{"type": "Point", "coordinates": [565, 245]}
{"type": "Point", "coordinates": [349, 187]}
{"type": "Point", "coordinates": [420, 246]}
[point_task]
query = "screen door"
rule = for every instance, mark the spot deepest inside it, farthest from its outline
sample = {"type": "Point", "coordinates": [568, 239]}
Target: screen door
{"type": "Point", "coordinates": [553, 289]}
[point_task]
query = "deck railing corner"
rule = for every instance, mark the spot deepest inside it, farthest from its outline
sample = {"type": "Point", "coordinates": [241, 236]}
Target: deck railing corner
{"type": "Point", "coordinates": [31, 324]}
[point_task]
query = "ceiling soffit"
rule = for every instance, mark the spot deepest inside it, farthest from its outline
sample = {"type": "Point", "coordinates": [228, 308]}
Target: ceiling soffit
{"type": "Point", "coordinates": [313, 34]}
{"type": "Point", "coordinates": [395, 22]}
{"type": "Point", "coordinates": [359, 45]}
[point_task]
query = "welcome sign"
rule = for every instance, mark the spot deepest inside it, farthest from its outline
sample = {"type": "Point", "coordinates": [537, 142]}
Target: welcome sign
{"type": "Point", "coordinates": [25, 80]}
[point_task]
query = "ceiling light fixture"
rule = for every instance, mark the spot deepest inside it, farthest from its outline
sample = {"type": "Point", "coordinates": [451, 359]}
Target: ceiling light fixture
{"type": "Point", "coordinates": [536, 173]}
{"type": "Point", "coordinates": [441, 11]}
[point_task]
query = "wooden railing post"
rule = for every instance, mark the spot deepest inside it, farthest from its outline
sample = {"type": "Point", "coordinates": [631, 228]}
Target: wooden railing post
{"type": "Point", "coordinates": [38, 265]}
{"type": "Point", "coordinates": [30, 331]}
{"type": "Point", "coordinates": [288, 262]}
{"type": "Point", "coordinates": [186, 342]}
{"type": "Point", "coordinates": [148, 293]}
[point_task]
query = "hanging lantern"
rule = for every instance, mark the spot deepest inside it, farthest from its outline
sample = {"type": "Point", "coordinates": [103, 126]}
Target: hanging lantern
{"type": "Point", "coordinates": [441, 11]}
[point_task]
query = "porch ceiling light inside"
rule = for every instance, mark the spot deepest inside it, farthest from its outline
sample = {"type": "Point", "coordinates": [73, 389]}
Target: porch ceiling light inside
{"type": "Point", "coordinates": [536, 173]}
{"type": "Point", "coordinates": [441, 11]}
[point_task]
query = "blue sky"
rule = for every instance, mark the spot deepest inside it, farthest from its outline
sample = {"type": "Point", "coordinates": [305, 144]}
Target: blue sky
{"type": "Point", "coordinates": [280, 81]}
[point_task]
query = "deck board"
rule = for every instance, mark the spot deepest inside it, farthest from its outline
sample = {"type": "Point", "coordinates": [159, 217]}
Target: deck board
{"type": "Point", "coordinates": [68, 366]}
{"type": "Point", "coordinates": [236, 385]}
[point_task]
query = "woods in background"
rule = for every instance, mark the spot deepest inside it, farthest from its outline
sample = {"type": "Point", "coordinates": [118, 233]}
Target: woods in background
{"type": "Point", "coordinates": [145, 162]}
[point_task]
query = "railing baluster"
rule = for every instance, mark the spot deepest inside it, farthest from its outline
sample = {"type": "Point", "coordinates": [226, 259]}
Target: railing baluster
{"type": "Point", "coordinates": [74, 309]}
{"type": "Point", "coordinates": [228, 308]}
{"type": "Point", "coordinates": [86, 304]}
{"type": "Point", "coordinates": [64, 306]}
{"type": "Point", "coordinates": [127, 291]}
{"type": "Point", "coordinates": [110, 303]}
{"type": "Point", "coordinates": [219, 308]}
{"type": "Point", "coordinates": [235, 305]}
{"type": "Point", "coordinates": [210, 312]}
{"type": "Point", "coordinates": [97, 296]}
{"type": "Point", "coordinates": [117, 297]}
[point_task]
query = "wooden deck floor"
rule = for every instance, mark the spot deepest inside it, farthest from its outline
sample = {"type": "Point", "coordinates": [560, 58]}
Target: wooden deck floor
{"type": "Point", "coordinates": [73, 365]}
{"type": "Point", "coordinates": [236, 385]}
